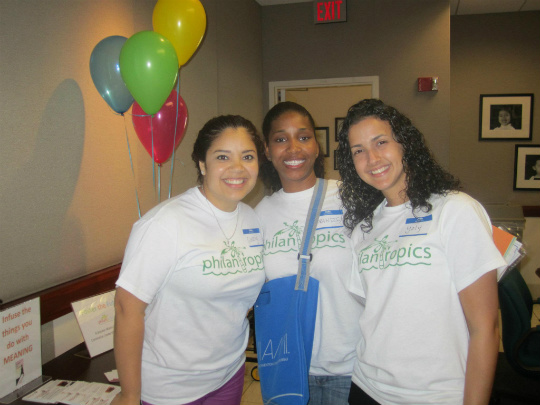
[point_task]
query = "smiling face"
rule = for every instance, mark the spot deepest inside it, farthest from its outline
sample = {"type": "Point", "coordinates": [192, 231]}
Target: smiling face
{"type": "Point", "coordinates": [231, 168]}
{"type": "Point", "coordinates": [293, 149]}
{"type": "Point", "coordinates": [378, 158]}
{"type": "Point", "coordinates": [504, 117]}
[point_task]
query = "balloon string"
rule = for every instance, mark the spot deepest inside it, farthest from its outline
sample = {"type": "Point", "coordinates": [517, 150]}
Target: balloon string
{"type": "Point", "coordinates": [139, 115]}
{"type": "Point", "coordinates": [153, 165]}
{"type": "Point", "coordinates": [131, 163]}
{"type": "Point", "coordinates": [175, 126]}
{"type": "Point", "coordinates": [159, 181]}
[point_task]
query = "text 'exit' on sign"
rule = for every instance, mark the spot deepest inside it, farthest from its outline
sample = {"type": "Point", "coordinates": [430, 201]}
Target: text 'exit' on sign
{"type": "Point", "coordinates": [330, 11]}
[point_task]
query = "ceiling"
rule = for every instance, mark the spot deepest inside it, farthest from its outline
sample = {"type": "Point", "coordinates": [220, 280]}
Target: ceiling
{"type": "Point", "coordinates": [458, 7]}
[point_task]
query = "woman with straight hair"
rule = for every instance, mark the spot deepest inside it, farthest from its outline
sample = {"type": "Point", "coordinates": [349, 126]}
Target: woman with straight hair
{"type": "Point", "coordinates": [293, 164]}
{"type": "Point", "coordinates": [191, 271]}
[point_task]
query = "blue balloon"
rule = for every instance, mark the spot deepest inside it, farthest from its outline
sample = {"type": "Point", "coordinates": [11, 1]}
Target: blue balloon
{"type": "Point", "coordinates": [105, 72]}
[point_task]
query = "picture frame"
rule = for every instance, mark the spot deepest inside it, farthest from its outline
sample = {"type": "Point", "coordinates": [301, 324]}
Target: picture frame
{"type": "Point", "coordinates": [339, 122]}
{"type": "Point", "coordinates": [527, 167]}
{"type": "Point", "coordinates": [323, 137]}
{"type": "Point", "coordinates": [506, 117]}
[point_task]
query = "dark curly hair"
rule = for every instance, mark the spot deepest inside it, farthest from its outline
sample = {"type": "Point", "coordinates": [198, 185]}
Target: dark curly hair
{"type": "Point", "coordinates": [424, 176]}
{"type": "Point", "coordinates": [213, 129]}
{"type": "Point", "coordinates": [268, 173]}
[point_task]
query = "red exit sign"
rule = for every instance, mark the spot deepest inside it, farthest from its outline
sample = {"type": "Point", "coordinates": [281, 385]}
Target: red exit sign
{"type": "Point", "coordinates": [330, 11]}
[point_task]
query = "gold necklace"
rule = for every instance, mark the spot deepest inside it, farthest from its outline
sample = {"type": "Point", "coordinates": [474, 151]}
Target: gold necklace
{"type": "Point", "coordinates": [215, 217]}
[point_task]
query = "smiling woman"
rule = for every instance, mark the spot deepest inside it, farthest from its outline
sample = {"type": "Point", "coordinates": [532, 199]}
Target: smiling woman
{"type": "Point", "coordinates": [423, 251]}
{"type": "Point", "coordinates": [293, 149]}
{"type": "Point", "coordinates": [378, 158]}
{"type": "Point", "coordinates": [294, 162]}
{"type": "Point", "coordinates": [229, 169]}
{"type": "Point", "coordinates": [193, 263]}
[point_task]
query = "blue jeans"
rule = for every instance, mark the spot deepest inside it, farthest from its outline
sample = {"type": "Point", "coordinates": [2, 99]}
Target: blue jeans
{"type": "Point", "coordinates": [329, 390]}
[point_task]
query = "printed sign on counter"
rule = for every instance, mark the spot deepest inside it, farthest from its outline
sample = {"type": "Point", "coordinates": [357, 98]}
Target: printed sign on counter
{"type": "Point", "coordinates": [95, 316]}
{"type": "Point", "coordinates": [20, 346]}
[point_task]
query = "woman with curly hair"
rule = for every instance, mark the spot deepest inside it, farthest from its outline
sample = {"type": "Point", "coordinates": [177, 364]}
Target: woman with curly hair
{"type": "Point", "coordinates": [294, 163]}
{"type": "Point", "coordinates": [423, 261]}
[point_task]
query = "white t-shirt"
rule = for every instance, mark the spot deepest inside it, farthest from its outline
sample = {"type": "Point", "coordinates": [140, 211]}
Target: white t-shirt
{"type": "Point", "coordinates": [199, 288]}
{"type": "Point", "coordinates": [410, 271]}
{"type": "Point", "coordinates": [283, 217]}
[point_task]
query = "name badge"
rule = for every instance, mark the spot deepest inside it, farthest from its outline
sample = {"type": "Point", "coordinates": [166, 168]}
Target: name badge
{"type": "Point", "coordinates": [417, 226]}
{"type": "Point", "coordinates": [253, 236]}
{"type": "Point", "coordinates": [330, 219]}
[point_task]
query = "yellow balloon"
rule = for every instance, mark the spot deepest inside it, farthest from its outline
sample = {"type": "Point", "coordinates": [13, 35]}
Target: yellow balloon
{"type": "Point", "coordinates": [183, 23]}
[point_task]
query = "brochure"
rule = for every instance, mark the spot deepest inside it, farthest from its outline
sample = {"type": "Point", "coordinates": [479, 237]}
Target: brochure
{"type": "Point", "coordinates": [95, 316]}
{"type": "Point", "coordinates": [74, 393]}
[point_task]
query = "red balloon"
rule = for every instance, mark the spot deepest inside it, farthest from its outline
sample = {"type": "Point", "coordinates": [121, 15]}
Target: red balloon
{"type": "Point", "coordinates": [162, 124]}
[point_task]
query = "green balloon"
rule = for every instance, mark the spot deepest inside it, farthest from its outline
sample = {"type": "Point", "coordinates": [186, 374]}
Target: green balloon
{"type": "Point", "coordinates": [149, 67]}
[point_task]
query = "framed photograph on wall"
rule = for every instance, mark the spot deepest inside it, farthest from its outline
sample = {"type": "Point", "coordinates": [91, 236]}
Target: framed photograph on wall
{"type": "Point", "coordinates": [323, 137]}
{"type": "Point", "coordinates": [339, 121]}
{"type": "Point", "coordinates": [527, 167]}
{"type": "Point", "coordinates": [506, 117]}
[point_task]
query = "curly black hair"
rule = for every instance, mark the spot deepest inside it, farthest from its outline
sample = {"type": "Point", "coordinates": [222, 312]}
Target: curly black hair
{"type": "Point", "coordinates": [267, 172]}
{"type": "Point", "coordinates": [424, 176]}
{"type": "Point", "coordinates": [213, 129]}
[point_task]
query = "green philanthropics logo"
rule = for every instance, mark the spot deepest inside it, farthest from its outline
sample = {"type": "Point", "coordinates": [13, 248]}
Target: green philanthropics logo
{"type": "Point", "coordinates": [232, 260]}
{"type": "Point", "coordinates": [290, 237]}
{"type": "Point", "coordinates": [381, 255]}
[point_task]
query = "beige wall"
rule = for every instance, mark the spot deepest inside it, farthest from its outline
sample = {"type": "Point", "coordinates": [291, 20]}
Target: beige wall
{"type": "Point", "coordinates": [398, 41]}
{"type": "Point", "coordinates": [495, 54]}
{"type": "Point", "coordinates": [67, 199]}
{"type": "Point", "coordinates": [491, 54]}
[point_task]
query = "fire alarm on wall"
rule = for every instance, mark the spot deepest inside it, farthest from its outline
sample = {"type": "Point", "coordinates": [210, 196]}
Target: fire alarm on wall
{"type": "Point", "coordinates": [428, 83]}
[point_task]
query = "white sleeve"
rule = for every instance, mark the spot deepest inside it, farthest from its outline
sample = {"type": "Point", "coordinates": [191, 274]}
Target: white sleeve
{"type": "Point", "coordinates": [467, 238]}
{"type": "Point", "coordinates": [150, 255]}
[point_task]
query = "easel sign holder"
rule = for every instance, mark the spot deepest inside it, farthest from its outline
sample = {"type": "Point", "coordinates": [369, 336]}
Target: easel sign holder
{"type": "Point", "coordinates": [20, 343]}
{"type": "Point", "coordinates": [95, 316]}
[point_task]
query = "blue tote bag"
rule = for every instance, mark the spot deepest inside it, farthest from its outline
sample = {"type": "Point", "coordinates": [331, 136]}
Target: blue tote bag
{"type": "Point", "coordinates": [285, 314]}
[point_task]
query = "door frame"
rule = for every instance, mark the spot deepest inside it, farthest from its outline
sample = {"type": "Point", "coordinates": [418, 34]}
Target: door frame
{"type": "Point", "coordinates": [278, 88]}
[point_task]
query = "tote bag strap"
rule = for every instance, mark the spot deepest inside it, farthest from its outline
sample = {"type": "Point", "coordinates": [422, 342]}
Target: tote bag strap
{"type": "Point", "coordinates": [304, 257]}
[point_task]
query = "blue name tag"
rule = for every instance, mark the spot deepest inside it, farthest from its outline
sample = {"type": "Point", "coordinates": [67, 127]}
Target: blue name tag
{"type": "Point", "coordinates": [419, 219]}
{"type": "Point", "coordinates": [417, 226]}
{"type": "Point", "coordinates": [253, 236]}
{"type": "Point", "coordinates": [331, 212]}
{"type": "Point", "coordinates": [252, 230]}
{"type": "Point", "coordinates": [330, 219]}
